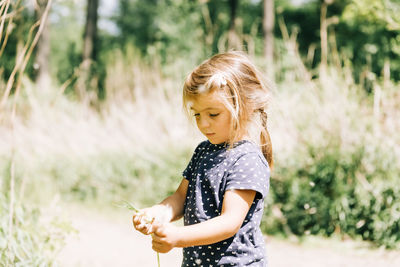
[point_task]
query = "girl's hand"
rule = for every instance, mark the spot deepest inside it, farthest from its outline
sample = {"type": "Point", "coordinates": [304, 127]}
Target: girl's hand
{"type": "Point", "coordinates": [143, 220]}
{"type": "Point", "coordinates": [165, 237]}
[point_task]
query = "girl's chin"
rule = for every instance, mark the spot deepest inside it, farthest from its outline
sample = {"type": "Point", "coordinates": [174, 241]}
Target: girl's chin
{"type": "Point", "coordinates": [215, 142]}
{"type": "Point", "coordinates": [212, 141]}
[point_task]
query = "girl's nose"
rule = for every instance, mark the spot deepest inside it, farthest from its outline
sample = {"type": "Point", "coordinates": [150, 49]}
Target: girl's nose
{"type": "Point", "coordinates": [203, 123]}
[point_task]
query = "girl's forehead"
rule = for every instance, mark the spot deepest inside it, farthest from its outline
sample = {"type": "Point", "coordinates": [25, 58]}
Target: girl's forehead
{"type": "Point", "coordinates": [212, 100]}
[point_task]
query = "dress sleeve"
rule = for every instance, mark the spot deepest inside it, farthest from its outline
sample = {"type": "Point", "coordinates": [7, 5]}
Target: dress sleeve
{"type": "Point", "coordinates": [190, 168]}
{"type": "Point", "coordinates": [249, 172]}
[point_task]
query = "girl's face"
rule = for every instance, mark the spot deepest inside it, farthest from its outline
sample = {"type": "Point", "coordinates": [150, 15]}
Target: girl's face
{"type": "Point", "coordinates": [212, 117]}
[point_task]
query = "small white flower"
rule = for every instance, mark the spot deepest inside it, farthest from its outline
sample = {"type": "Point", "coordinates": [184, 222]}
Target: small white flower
{"type": "Point", "coordinates": [202, 88]}
{"type": "Point", "coordinates": [219, 79]}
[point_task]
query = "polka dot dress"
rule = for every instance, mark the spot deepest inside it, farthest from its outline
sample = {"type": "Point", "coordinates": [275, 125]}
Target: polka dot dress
{"type": "Point", "coordinates": [213, 170]}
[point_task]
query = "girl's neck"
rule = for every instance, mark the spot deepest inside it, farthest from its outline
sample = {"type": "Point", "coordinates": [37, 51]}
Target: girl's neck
{"type": "Point", "coordinates": [242, 137]}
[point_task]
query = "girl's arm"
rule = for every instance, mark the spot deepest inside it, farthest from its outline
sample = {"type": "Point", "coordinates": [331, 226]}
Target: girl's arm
{"type": "Point", "coordinates": [235, 207]}
{"type": "Point", "coordinates": [170, 209]}
{"type": "Point", "coordinates": [174, 203]}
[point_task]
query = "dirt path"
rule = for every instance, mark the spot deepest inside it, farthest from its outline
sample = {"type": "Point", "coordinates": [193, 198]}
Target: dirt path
{"type": "Point", "coordinates": [109, 240]}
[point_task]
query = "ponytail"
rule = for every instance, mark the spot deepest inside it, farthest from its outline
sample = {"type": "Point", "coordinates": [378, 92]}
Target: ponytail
{"type": "Point", "coordinates": [265, 140]}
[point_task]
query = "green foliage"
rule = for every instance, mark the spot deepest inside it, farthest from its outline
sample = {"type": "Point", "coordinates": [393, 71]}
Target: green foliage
{"type": "Point", "coordinates": [305, 21]}
{"type": "Point", "coordinates": [175, 32]}
{"type": "Point", "coordinates": [378, 13]}
{"type": "Point", "coordinates": [103, 179]}
{"type": "Point", "coordinates": [108, 177]}
{"type": "Point", "coordinates": [23, 20]}
{"type": "Point", "coordinates": [373, 26]}
{"type": "Point", "coordinates": [330, 190]}
{"type": "Point", "coordinates": [66, 42]}
{"type": "Point", "coordinates": [161, 29]}
{"type": "Point", "coordinates": [375, 30]}
{"type": "Point", "coordinates": [33, 239]}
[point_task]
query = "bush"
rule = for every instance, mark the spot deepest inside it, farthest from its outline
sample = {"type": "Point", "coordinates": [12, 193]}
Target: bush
{"type": "Point", "coordinates": [108, 177]}
{"type": "Point", "coordinates": [31, 239]}
{"type": "Point", "coordinates": [330, 190]}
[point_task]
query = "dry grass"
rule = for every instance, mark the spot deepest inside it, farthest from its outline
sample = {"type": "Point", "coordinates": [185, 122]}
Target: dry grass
{"type": "Point", "coordinates": [143, 112]}
{"type": "Point", "coordinates": [333, 110]}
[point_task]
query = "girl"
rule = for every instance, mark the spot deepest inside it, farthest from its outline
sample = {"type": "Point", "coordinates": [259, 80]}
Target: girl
{"type": "Point", "coordinates": [221, 195]}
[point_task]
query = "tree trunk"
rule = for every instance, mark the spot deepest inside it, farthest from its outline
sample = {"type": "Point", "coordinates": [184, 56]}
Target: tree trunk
{"type": "Point", "coordinates": [233, 38]}
{"type": "Point", "coordinates": [324, 39]}
{"type": "Point", "coordinates": [386, 73]}
{"type": "Point", "coordinates": [268, 26]}
{"type": "Point", "coordinates": [43, 50]}
{"type": "Point", "coordinates": [90, 35]}
{"type": "Point", "coordinates": [89, 54]}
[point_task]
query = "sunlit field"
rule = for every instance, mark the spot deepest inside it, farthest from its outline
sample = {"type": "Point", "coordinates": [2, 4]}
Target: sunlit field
{"type": "Point", "coordinates": [134, 147]}
{"type": "Point", "coordinates": [65, 153]}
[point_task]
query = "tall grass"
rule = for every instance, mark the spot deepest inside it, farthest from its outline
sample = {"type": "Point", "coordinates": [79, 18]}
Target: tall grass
{"type": "Point", "coordinates": [337, 158]}
{"type": "Point", "coordinates": [29, 237]}
{"type": "Point", "coordinates": [71, 148]}
{"type": "Point", "coordinates": [328, 134]}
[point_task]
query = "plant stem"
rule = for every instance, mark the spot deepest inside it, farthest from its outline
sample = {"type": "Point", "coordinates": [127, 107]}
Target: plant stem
{"type": "Point", "coordinates": [129, 205]}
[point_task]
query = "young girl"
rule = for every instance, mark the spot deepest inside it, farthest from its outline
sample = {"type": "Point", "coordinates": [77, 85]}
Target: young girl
{"type": "Point", "coordinates": [221, 195]}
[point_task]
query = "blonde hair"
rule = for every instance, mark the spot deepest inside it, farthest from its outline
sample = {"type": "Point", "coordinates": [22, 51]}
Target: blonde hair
{"type": "Point", "coordinates": [244, 91]}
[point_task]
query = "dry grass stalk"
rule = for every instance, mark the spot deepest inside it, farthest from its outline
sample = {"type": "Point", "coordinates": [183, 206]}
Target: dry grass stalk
{"type": "Point", "coordinates": [130, 206]}
{"type": "Point", "coordinates": [20, 67]}
{"type": "Point", "coordinates": [25, 55]}
{"type": "Point", "coordinates": [10, 25]}
{"type": "Point", "coordinates": [4, 5]}
{"type": "Point", "coordinates": [292, 48]}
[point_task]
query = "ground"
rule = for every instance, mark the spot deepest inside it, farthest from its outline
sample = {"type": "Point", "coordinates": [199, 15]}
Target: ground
{"type": "Point", "coordinates": [108, 239]}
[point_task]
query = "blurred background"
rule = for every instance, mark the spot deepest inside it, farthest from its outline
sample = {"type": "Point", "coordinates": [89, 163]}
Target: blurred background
{"type": "Point", "coordinates": [91, 115]}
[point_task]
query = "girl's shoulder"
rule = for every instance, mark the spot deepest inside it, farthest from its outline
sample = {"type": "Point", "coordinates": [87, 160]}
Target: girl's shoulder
{"type": "Point", "coordinates": [246, 150]}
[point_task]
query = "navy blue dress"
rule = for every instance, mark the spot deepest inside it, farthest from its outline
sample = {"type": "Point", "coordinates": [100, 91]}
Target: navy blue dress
{"type": "Point", "coordinates": [213, 170]}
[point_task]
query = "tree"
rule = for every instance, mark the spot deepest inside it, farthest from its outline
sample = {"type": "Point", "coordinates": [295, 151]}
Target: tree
{"type": "Point", "coordinates": [268, 26]}
{"type": "Point", "coordinates": [43, 49]}
{"type": "Point", "coordinates": [233, 39]}
{"type": "Point", "coordinates": [90, 35]}
{"type": "Point", "coordinates": [89, 52]}
{"type": "Point", "coordinates": [324, 23]}
{"type": "Point", "coordinates": [374, 26]}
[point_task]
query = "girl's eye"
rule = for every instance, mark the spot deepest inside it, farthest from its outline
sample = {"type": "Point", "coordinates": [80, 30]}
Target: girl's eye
{"type": "Point", "coordinates": [196, 115]}
{"type": "Point", "coordinates": [214, 115]}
